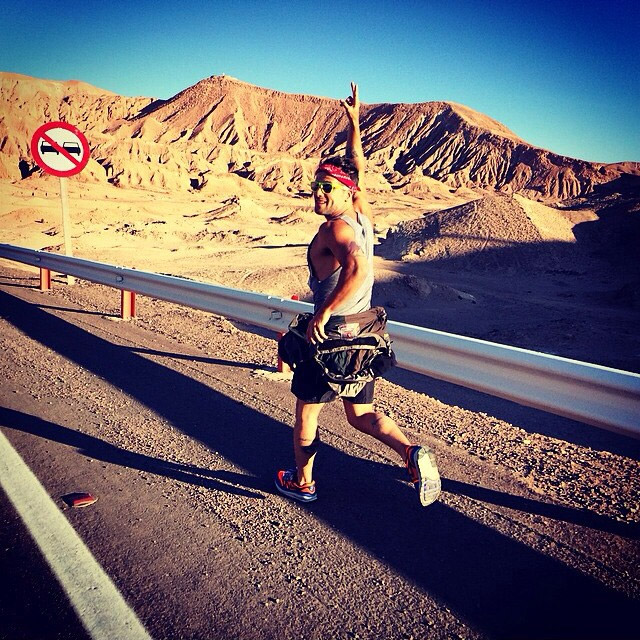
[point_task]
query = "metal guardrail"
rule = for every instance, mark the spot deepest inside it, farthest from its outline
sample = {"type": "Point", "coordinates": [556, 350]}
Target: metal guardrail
{"type": "Point", "coordinates": [593, 394]}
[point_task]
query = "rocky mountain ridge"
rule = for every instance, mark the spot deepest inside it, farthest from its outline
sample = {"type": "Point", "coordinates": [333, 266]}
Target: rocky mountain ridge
{"type": "Point", "coordinates": [222, 126]}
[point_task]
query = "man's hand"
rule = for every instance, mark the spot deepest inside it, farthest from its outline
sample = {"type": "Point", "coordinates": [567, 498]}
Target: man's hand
{"type": "Point", "coordinates": [315, 329]}
{"type": "Point", "coordinates": [352, 104]}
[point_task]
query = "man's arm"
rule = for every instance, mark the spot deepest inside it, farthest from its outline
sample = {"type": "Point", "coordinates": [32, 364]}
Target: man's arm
{"type": "Point", "coordinates": [351, 107]}
{"type": "Point", "coordinates": [341, 241]}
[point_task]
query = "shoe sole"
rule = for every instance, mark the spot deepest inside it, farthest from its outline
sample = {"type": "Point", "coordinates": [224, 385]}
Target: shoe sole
{"type": "Point", "coordinates": [428, 486]}
{"type": "Point", "coordinates": [295, 496]}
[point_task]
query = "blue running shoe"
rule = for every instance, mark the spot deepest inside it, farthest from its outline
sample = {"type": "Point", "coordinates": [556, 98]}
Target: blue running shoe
{"type": "Point", "coordinates": [287, 485]}
{"type": "Point", "coordinates": [423, 471]}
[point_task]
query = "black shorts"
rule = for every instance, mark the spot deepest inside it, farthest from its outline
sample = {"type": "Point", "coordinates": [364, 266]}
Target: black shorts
{"type": "Point", "coordinates": [310, 385]}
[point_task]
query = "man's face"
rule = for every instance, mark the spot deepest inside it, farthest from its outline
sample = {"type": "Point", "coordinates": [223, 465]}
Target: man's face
{"type": "Point", "coordinates": [334, 203]}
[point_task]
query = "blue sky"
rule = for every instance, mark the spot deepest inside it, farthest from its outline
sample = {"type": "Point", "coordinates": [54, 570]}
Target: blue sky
{"type": "Point", "coordinates": [564, 75]}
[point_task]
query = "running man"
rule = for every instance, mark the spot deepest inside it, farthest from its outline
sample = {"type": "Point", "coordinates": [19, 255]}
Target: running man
{"type": "Point", "coordinates": [340, 260]}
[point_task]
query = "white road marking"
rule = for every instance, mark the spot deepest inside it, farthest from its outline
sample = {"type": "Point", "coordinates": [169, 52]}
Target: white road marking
{"type": "Point", "coordinates": [99, 605]}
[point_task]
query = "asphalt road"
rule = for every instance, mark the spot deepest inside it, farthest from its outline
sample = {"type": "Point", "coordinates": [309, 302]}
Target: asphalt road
{"type": "Point", "coordinates": [180, 447]}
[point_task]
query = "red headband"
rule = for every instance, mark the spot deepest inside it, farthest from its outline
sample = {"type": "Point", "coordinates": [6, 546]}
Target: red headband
{"type": "Point", "coordinates": [339, 174]}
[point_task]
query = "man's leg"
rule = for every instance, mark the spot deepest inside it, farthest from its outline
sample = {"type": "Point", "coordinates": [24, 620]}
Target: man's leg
{"type": "Point", "coordinates": [374, 423]}
{"type": "Point", "coordinates": [420, 461]}
{"type": "Point", "coordinates": [305, 438]}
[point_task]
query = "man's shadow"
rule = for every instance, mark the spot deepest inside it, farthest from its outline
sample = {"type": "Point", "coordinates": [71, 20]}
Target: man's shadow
{"type": "Point", "coordinates": [494, 583]}
{"type": "Point", "coordinates": [220, 480]}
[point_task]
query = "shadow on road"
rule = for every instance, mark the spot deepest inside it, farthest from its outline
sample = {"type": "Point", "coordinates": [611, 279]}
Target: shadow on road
{"type": "Point", "coordinates": [205, 359]}
{"type": "Point", "coordinates": [18, 282]}
{"type": "Point", "coordinates": [494, 583]}
{"type": "Point", "coordinates": [554, 511]}
{"type": "Point", "coordinates": [100, 450]}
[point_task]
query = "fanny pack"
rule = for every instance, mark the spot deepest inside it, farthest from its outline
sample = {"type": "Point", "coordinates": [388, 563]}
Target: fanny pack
{"type": "Point", "coordinates": [356, 351]}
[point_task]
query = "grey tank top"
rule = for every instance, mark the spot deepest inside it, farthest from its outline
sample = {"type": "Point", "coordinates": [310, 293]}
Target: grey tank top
{"type": "Point", "coordinates": [322, 289]}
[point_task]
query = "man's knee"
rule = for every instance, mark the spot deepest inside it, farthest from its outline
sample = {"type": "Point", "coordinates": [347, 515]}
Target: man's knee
{"type": "Point", "coordinates": [367, 421]}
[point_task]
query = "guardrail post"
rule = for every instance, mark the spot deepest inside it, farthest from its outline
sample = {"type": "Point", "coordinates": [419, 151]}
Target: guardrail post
{"type": "Point", "coordinates": [283, 367]}
{"type": "Point", "coordinates": [45, 279]}
{"type": "Point", "coordinates": [127, 304]}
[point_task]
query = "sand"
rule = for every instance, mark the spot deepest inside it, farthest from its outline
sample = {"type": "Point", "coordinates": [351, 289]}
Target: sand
{"type": "Point", "coordinates": [521, 278]}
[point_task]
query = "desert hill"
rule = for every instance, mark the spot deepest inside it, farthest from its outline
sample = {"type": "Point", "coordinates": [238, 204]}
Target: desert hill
{"type": "Point", "coordinates": [223, 126]}
{"type": "Point", "coordinates": [498, 231]}
{"type": "Point", "coordinates": [26, 103]}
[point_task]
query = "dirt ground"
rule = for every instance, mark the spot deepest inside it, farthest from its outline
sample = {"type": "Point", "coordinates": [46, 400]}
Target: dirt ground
{"type": "Point", "coordinates": [176, 422]}
{"type": "Point", "coordinates": [558, 297]}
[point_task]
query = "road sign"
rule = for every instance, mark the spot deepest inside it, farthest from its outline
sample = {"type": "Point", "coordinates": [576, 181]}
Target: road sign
{"type": "Point", "coordinates": [60, 149]}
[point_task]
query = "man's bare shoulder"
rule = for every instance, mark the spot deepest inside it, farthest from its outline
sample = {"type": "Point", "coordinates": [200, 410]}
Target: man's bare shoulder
{"type": "Point", "coordinates": [335, 230]}
{"type": "Point", "coordinates": [333, 226]}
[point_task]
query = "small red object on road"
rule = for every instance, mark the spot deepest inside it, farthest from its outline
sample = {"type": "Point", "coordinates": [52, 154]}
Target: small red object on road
{"type": "Point", "coordinates": [78, 500]}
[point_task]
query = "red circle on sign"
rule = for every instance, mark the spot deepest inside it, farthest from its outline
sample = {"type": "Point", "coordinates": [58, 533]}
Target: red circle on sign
{"type": "Point", "coordinates": [55, 147]}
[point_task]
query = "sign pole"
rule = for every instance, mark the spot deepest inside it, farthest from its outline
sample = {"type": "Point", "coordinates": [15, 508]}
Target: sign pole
{"type": "Point", "coordinates": [66, 225]}
{"type": "Point", "coordinates": [61, 150]}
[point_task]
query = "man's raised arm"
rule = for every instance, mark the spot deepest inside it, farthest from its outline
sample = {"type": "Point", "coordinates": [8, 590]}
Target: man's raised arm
{"type": "Point", "coordinates": [351, 107]}
{"type": "Point", "coordinates": [354, 143]}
